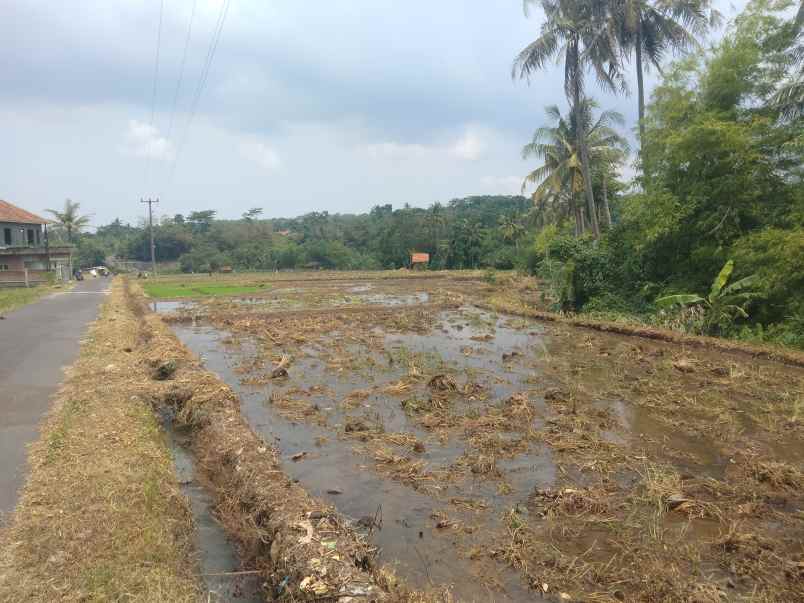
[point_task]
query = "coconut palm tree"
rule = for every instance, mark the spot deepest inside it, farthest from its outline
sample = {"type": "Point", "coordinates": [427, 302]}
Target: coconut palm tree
{"type": "Point", "coordinates": [580, 33]}
{"type": "Point", "coordinates": [789, 98]}
{"type": "Point", "coordinates": [651, 29]}
{"type": "Point", "coordinates": [559, 179]}
{"type": "Point", "coordinates": [436, 220]}
{"type": "Point", "coordinates": [511, 230]}
{"type": "Point", "coordinates": [69, 219]}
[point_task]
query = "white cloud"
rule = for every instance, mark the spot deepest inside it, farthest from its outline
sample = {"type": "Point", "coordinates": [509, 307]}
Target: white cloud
{"type": "Point", "coordinates": [469, 147]}
{"type": "Point", "coordinates": [144, 140]}
{"type": "Point", "coordinates": [396, 150]}
{"type": "Point", "coordinates": [261, 154]}
{"type": "Point", "coordinates": [502, 184]}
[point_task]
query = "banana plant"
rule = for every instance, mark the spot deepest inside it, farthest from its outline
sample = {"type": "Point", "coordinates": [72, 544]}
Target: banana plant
{"type": "Point", "coordinates": [724, 304]}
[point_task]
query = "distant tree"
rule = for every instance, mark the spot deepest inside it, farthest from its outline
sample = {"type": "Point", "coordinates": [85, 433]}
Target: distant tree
{"type": "Point", "coordinates": [511, 230]}
{"type": "Point", "coordinates": [91, 252]}
{"type": "Point", "coordinates": [436, 220]}
{"type": "Point", "coordinates": [69, 219]}
{"type": "Point", "coordinates": [252, 214]}
{"type": "Point", "coordinates": [201, 220]}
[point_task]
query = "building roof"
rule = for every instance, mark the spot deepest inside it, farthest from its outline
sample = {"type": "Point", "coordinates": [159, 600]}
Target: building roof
{"type": "Point", "coordinates": [12, 213]}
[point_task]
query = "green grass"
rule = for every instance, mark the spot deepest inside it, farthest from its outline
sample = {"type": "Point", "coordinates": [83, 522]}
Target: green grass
{"type": "Point", "coordinates": [19, 296]}
{"type": "Point", "coordinates": [171, 290]}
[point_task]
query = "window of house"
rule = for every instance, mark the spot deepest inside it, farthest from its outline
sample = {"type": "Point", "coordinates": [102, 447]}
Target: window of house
{"type": "Point", "coordinates": [38, 236]}
{"type": "Point", "coordinates": [30, 236]}
{"type": "Point", "coordinates": [7, 236]}
{"type": "Point", "coordinates": [3, 267]}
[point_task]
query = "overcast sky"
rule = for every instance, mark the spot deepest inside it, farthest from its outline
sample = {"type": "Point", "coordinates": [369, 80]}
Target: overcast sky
{"type": "Point", "coordinates": [333, 106]}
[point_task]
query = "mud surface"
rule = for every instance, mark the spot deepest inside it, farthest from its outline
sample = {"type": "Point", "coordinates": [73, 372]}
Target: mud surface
{"type": "Point", "coordinates": [499, 458]}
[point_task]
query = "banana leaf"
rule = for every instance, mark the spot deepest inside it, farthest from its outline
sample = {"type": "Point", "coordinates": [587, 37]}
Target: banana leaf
{"type": "Point", "coordinates": [741, 285]}
{"type": "Point", "coordinates": [721, 280]}
{"type": "Point", "coordinates": [681, 299]}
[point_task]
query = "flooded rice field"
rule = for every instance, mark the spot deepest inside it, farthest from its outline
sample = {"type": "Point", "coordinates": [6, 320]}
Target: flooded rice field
{"type": "Point", "coordinates": [497, 458]}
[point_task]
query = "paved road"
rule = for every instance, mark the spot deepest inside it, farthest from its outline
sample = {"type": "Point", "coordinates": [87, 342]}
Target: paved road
{"type": "Point", "coordinates": [36, 342]}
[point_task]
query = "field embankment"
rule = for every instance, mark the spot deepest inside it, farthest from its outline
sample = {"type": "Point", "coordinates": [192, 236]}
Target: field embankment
{"type": "Point", "coordinates": [510, 305]}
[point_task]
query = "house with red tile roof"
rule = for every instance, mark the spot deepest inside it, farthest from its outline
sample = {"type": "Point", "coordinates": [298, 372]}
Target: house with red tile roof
{"type": "Point", "coordinates": [26, 257]}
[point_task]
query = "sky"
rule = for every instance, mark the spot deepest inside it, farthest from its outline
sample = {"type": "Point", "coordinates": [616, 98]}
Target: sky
{"type": "Point", "coordinates": [307, 106]}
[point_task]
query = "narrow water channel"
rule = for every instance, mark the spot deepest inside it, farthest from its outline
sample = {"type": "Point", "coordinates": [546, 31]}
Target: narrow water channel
{"type": "Point", "coordinates": [218, 561]}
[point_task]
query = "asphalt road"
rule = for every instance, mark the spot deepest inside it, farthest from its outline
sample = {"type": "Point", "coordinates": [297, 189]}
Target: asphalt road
{"type": "Point", "coordinates": [37, 342]}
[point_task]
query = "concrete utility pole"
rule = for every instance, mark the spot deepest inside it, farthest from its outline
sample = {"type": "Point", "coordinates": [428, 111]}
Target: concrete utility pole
{"type": "Point", "coordinates": [150, 203]}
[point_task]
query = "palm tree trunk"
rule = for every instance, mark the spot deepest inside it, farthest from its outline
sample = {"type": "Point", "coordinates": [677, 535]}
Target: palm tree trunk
{"type": "Point", "coordinates": [587, 174]}
{"type": "Point", "coordinates": [640, 85]}
{"type": "Point", "coordinates": [606, 210]}
{"type": "Point", "coordinates": [576, 213]}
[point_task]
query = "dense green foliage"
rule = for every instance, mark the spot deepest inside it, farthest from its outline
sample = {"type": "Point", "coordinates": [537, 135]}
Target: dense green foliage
{"type": "Point", "coordinates": [721, 181]}
{"type": "Point", "coordinates": [464, 233]}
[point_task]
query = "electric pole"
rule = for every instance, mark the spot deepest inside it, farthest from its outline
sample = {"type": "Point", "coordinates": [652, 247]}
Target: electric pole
{"type": "Point", "coordinates": [150, 203]}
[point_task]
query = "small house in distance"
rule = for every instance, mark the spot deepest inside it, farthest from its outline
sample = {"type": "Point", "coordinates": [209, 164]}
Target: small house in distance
{"type": "Point", "coordinates": [25, 255]}
{"type": "Point", "coordinates": [419, 260]}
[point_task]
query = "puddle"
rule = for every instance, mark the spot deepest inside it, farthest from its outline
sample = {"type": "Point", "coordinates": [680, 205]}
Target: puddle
{"type": "Point", "coordinates": [422, 554]}
{"type": "Point", "coordinates": [168, 306]}
{"type": "Point", "coordinates": [217, 554]}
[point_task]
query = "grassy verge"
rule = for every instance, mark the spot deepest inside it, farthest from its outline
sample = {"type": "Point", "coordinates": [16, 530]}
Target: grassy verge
{"type": "Point", "coordinates": [173, 290]}
{"type": "Point", "coordinates": [101, 517]}
{"type": "Point", "coordinates": [244, 283]}
{"type": "Point", "coordinates": [11, 298]}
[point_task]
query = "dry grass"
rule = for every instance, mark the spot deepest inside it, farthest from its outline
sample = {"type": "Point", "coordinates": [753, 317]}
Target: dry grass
{"type": "Point", "coordinates": [101, 517]}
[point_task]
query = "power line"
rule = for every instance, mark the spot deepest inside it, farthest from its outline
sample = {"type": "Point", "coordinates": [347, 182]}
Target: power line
{"type": "Point", "coordinates": [181, 70]}
{"type": "Point", "coordinates": [153, 92]}
{"type": "Point", "coordinates": [213, 47]}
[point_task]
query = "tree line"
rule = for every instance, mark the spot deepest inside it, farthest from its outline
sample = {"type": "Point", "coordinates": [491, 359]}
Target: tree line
{"type": "Point", "coordinates": [474, 232]}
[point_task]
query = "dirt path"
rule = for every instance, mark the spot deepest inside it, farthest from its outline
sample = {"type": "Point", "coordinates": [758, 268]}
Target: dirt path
{"type": "Point", "coordinates": [36, 342]}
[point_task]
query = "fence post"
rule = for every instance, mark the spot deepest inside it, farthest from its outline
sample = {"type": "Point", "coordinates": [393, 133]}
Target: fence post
{"type": "Point", "coordinates": [25, 269]}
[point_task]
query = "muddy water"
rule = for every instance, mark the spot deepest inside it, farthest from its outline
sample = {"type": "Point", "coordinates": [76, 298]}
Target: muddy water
{"type": "Point", "coordinates": [506, 356]}
{"type": "Point", "coordinates": [218, 559]}
{"type": "Point", "coordinates": [409, 541]}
